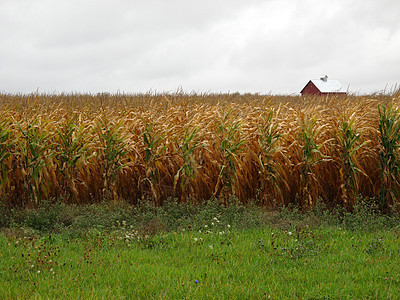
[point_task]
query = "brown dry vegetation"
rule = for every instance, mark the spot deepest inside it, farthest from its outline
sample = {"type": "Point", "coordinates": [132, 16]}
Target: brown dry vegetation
{"type": "Point", "coordinates": [276, 149]}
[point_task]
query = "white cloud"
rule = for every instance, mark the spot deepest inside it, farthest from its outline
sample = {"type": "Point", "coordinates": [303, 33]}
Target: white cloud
{"type": "Point", "coordinates": [218, 46]}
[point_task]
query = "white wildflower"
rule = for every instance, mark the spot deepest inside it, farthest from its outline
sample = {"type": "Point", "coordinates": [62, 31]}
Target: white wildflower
{"type": "Point", "coordinates": [229, 226]}
{"type": "Point", "coordinates": [195, 239]}
{"type": "Point", "coordinates": [289, 233]}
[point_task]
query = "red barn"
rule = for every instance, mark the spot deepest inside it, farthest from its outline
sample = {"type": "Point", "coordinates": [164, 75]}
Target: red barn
{"type": "Point", "coordinates": [323, 86]}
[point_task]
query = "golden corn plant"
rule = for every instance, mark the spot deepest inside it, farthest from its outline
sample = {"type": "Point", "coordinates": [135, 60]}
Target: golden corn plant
{"type": "Point", "coordinates": [34, 152]}
{"type": "Point", "coordinates": [153, 152]}
{"type": "Point", "coordinates": [269, 136]}
{"type": "Point", "coordinates": [72, 150]}
{"type": "Point", "coordinates": [112, 152]}
{"type": "Point", "coordinates": [154, 146]}
{"type": "Point", "coordinates": [7, 143]}
{"type": "Point", "coordinates": [187, 172]}
{"type": "Point", "coordinates": [311, 156]}
{"type": "Point", "coordinates": [230, 146]}
{"type": "Point", "coordinates": [350, 143]}
{"type": "Point", "coordinates": [389, 128]}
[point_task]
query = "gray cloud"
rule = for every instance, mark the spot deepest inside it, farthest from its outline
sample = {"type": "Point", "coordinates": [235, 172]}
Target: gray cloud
{"type": "Point", "coordinates": [217, 46]}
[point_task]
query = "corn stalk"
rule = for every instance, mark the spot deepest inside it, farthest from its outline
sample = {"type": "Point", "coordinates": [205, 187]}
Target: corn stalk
{"type": "Point", "coordinates": [230, 147]}
{"type": "Point", "coordinates": [34, 151]}
{"type": "Point", "coordinates": [268, 139]}
{"type": "Point", "coordinates": [187, 172]}
{"type": "Point", "coordinates": [389, 129]}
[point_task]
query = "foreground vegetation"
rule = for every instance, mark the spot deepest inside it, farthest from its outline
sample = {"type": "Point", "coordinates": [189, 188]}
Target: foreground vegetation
{"type": "Point", "coordinates": [305, 196]}
{"type": "Point", "coordinates": [278, 150]}
{"type": "Point", "coordinates": [197, 252]}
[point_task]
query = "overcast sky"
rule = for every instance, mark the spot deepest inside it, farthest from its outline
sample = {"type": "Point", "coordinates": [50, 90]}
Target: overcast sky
{"type": "Point", "coordinates": [270, 46]}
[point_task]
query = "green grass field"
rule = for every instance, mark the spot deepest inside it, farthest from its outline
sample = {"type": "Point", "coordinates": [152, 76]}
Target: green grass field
{"type": "Point", "coordinates": [200, 253]}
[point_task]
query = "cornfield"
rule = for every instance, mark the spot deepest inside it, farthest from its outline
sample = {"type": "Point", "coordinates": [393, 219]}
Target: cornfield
{"type": "Point", "coordinates": [277, 150]}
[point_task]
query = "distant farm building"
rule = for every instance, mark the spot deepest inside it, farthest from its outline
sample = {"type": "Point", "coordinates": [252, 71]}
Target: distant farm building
{"type": "Point", "coordinates": [323, 86]}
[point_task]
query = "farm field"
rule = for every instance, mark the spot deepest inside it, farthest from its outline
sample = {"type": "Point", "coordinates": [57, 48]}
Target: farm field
{"type": "Point", "coordinates": [276, 150]}
{"type": "Point", "coordinates": [198, 251]}
{"type": "Point", "coordinates": [199, 196]}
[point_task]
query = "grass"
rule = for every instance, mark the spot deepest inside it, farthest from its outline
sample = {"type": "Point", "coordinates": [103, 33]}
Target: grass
{"type": "Point", "coordinates": [197, 252]}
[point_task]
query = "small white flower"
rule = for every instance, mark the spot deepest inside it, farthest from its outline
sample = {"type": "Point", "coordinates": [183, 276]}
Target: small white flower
{"type": "Point", "coordinates": [38, 271]}
{"type": "Point", "coordinates": [205, 226]}
{"type": "Point", "coordinates": [212, 224]}
{"type": "Point", "coordinates": [215, 219]}
{"type": "Point", "coordinates": [220, 233]}
{"type": "Point", "coordinates": [32, 266]}
{"type": "Point", "coordinates": [211, 246]}
{"type": "Point", "coordinates": [195, 239]}
{"type": "Point", "coordinates": [51, 270]}
{"type": "Point", "coordinates": [289, 233]}
{"type": "Point", "coordinates": [229, 226]}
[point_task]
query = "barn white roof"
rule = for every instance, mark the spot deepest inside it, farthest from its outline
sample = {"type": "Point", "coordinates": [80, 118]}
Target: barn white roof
{"type": "Point", "coordinates": [326, 85]}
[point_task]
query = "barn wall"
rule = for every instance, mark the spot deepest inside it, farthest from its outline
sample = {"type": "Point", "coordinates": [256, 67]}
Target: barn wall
{"type": "Point", "coordinates": [310, 89]}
